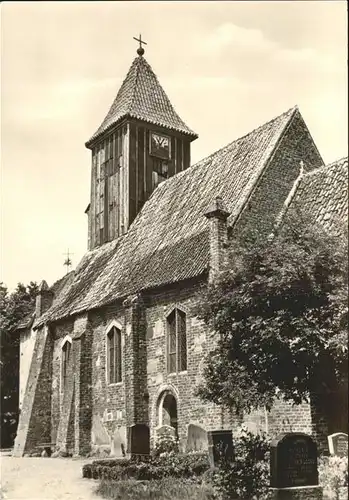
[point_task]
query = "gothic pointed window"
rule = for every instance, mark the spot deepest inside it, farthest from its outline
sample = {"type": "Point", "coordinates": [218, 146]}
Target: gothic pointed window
{"type": "Point", "coordinates": [114, 362]}
{"type": "Point", "coordinates": [176, 341]}
{"type": "Point", "coordinates": [65, 356]}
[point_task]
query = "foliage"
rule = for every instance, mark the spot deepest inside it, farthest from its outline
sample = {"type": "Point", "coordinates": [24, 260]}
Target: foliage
{"type": "Point", "coordinates": [247, 476]}
{"type": "Point", "coordinates": [14, 307]}
{"type": "Point", "coordinates": [333, 475]}
{"type": "Point", "coordinates": [187, 465]}
{"type": "Point", "coordinates": [166, 443]}
{"type": "Point", "coordinates": [162, 489]}
{"type": "Point", "coordinates": [280, 311]}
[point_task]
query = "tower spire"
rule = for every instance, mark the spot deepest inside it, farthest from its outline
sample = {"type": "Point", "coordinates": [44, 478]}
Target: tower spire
{"type": "Point", "coordinates": [140, 50]}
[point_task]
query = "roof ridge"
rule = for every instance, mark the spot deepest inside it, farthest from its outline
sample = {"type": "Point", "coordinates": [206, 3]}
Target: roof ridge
{"type": "Point", "coordinates": [204, 160]}
{"type": "Point", "coordinates": [138, 59]}
{"type": "Point", "coordinates": [290, 110]}
{"type": "Point", "coordinates": [336, 163]}
{"type": "Point", "coordinates": [343, 158]}
{"type": "Point", "coordinates": [220, 150]}
{"type": "Point", "coordinates": [59, 280]}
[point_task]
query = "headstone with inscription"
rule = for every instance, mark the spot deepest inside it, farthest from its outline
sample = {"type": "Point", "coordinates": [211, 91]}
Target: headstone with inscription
{"type": "Point", "coordinates": [338, 444]}
{"type": "Point", "coordinates": [293, 467]}
{"type": "Point", "coordinates": [139, 440]}
{"type": "Point", "coordinates": [220, 446]}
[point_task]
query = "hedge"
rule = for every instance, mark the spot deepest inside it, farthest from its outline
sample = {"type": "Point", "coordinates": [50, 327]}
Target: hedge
{"type": "Point", "coordinates": [176, 465]}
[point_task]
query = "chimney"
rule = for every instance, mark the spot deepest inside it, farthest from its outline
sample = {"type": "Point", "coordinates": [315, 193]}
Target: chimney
{"type": "Point", "coordinates": [217, 215]}
{"type": "Point", "coordinates": [43, 299]}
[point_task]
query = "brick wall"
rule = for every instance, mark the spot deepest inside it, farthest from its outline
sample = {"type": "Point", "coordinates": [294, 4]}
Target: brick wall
{"type": "Point", "coordinates": [183, 385]}
{"type": "Point", "coordinates": [82, 362]}
{"type": "Point", "coordinates": [99, 413]}
{"type": "Point", "coordinates": [108, 400]}
{"type": "Point", "coordinates": [27, 344]}
{"type": "Point", "coordinates": [34, 425]}
{"type": "Point", "coordinates": [60, 332]}
{"type": "Point", "coordinates": [270, 193]}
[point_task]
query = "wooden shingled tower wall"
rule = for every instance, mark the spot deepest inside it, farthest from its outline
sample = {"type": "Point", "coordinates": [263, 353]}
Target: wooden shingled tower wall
{"type": "Point", "coordinates": [141, 142]}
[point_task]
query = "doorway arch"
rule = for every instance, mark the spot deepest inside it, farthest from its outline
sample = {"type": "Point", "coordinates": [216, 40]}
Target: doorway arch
{"type": "Point", "coordinates": [167, 410]}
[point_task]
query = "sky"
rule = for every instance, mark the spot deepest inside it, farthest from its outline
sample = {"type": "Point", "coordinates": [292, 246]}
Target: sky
{"type": "Point", "coordinates": [227, 68]}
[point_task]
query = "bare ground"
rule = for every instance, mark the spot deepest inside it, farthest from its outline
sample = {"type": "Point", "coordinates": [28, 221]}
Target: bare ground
{"type": "Point", "coordinates": [44, 479]}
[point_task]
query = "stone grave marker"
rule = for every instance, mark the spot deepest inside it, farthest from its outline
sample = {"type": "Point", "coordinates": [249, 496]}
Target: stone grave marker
{"type": "Point", "coordinates": [139, 440]}
{"type": "Point", "coordinates": [338, 444]}
{"type": "Point", "coordinates": [197, 438]}
{"type": "Point", "coordinates": [293, 467]}
{"type": "Point", "coordinates": [165, 430]}
{"type": "Point", "coordinates": [220, 446]}
{"type": "Point", "coordinates": [118, 442]}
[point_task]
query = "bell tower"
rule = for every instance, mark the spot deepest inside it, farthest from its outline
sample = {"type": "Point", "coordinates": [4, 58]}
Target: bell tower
{"type": "Point", "coordinates": [141, 142]}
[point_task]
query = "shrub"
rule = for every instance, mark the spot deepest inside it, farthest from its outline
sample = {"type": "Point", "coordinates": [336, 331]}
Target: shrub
{"type": "Point", "coordinates": [166, 443]}
{"type": "Point", "coordinates": [87, 471]}
{"type": "Point", "coordinates": [190, 465]}
{"type": "Point", "coordinates": [333, 475]}
{"type": "Point", "coordinates": [162, 489]}
{"type": "Point", "coordinates": [110, 462]}
{"type": "Point", "coordinates": [247, 476]}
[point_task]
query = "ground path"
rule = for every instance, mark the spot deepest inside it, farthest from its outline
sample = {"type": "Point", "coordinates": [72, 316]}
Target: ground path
{"type": "Point", "coordinates": [44, 479]}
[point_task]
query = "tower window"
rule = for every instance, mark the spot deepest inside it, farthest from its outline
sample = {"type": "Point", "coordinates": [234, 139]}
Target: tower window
{"type": "Point", "coordinates": [176, 341]}
{"type": "Point", "coordinates": [160, 171]}
{"type": "Point", "coordinates": [114, 356]}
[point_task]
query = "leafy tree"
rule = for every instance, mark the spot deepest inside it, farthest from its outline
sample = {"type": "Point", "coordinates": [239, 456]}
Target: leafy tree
{"type": "Point", "coordinates": [280, 311]}
{"type": "Point", "coordinates": [14, 307]}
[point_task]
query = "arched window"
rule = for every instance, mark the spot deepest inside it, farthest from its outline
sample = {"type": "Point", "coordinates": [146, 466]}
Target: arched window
{"type": "Point", "coordinates": [176, 341]}
{"type": "Point", "coordinates": [114, 354]}
{"type": "Point", "coordinates": [66, 348]}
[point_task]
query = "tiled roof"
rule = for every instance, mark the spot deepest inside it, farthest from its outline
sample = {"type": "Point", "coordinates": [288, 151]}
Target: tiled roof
{"type": "Point", "coordinates": [56, 289]}
{"type": "Point", "coordinates": [26, 322]}
{"type": "Point", "coordinates": [168, 240]}
{"type": "Point", "coordinates": [323, 194]}
{"type": "Point", "coordinates": [142, 97]}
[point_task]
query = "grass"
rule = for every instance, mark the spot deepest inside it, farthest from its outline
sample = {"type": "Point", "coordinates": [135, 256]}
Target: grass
{"type": "Point", "coordinates": [162, 489]}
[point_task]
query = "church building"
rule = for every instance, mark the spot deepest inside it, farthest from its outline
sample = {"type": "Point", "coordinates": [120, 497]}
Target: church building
{"type": "Point", "coordinates": [113, 352]}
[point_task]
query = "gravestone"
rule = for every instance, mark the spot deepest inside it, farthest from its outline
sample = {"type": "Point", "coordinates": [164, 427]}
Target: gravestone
{"type": "Point", "coordinates": [165, 430]}
{"type": "Point", "coordinates": [293, 461]}
{"type": "Point", "coordinates": [338, 444]}
{"type": "Point", "coordinates": [118, 442]}
{"type": "Point", "coordinates": [220, 446]}
{"type": "Point", "coordinates": [293, 467]}
{"type": "Point", "coordinates": [138, 440]}
{"type": "Point", "coordinates": [197, 438]}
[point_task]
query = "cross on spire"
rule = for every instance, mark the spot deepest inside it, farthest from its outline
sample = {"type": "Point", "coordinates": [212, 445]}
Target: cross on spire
{"type": "Point", "coordinates": [140, 50]}
{"type": "Point", "coordinates": [68, 261]}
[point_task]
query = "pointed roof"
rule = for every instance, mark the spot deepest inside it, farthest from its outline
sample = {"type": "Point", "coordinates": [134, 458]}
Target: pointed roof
{"type": "Point", "coordinates": [169, 239]}
{"type": "Point", "coordinates": [142, 97]}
